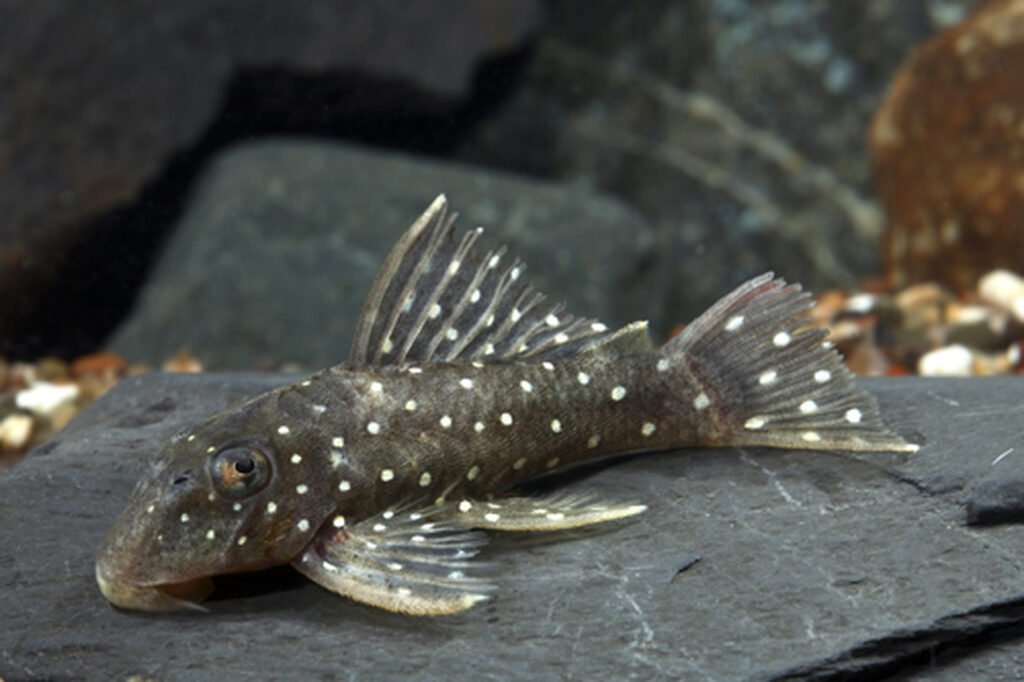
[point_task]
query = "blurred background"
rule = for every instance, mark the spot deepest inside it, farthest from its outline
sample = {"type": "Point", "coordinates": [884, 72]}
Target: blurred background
{"type": "Point", "coordinates": [213, 184]}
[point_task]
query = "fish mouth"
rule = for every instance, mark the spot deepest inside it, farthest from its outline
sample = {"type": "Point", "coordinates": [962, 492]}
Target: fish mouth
{"type": "Point", "coordinates": [154, 597]}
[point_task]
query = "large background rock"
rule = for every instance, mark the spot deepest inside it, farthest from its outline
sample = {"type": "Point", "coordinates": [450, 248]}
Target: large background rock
{"type": "Point", "coordinates": [811, 566]}
{"type": "Point", "coordinates": [281, 244]}
{"type": "Point", "coordinates": [106, 112]}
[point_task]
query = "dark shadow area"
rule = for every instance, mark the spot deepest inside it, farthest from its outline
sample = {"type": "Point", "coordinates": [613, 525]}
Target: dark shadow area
{"type": "Point", "coordinates": [101, 278]}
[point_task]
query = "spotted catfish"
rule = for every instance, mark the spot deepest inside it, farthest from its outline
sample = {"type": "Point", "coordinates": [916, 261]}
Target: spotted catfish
{"type": "Point", "coordinates": [378, 477]}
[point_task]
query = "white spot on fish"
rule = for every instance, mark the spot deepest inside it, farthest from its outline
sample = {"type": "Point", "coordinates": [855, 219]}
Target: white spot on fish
{"type": "Point", "coordinates": [782, 339]}
{"type": "Point", "coordinates": [387, 475]}
{"type": "Point", "coordinates": [376, 387]}
{"type": "Point", "coordinates": [519, 463]}
{"type": "Point", "coordinates": [452, 334]}
{"type": "Point", "coordinates": [454, 267]}
{"type": "Point", "coordinates": [379, 527]}
{"type": "Point", "coordinates": [338, 442]}
{"type": "Point", "coordinates": [516, 314]}
{"type": "Point", "coordinates": [548, 366]}
{"type": "Point", "coordinates": [271, 507]}
{"type": "Point", "coordinates": [319, 409]}
{"type": "Point", "coordinates": [191, 438]}
{"type": "Point", "coordinates": [424, 479]}
{"type": "Point", "coordinates": [822, 376]}
{"type": "Point", "coordinates": [302, 525]}
{"type": "Point", "coordinates": [490, 323]}
{"type": "Point", "coordinates": [446, 422]}
{"type": "Point", "coordinates": [339, 521]}
{"type": "Point", "coordinates": [648, 429]}
{"type": "Point", "coordinates": [435, 312]}
{"type": "Point", "coordinates": [811, 436]}
{"type": "Point", "coordinates": [734, 323]}
{"type": "Point", "coordinates": [307, 382]}
{"type": "Point", "coordinates": [808, 407]}
{"type": "Point", "coordinates": [237, 506]}
{"type": "Point", "coordinates": [506, 419]}
{"type": "Point", "coordinates": [184, 518]}
{"type": "Point", "coordinates": [768, 377]}
{"type": "Point", "coordinates": [755, 423]}
{"type": "Point", "coordinates": [555, 516]}
{"type": "Point", "coordinates": [618, 393]}
{"type": "Point", "coordinates": [465, 506]}
{"type": "Point", "coordinates": [593, 442]}
{"type": "Point", "coordinates": [395, 566]}
{"type": "Point", "coordinates": [302, 488]}
{"type": "Point", "coordinates": [475, 296]}
{"type": "Point", "coordinates": [473, 472]}
{"type": "Point", "coordinates": [410, 405]}
{"type": "Point", "coordinates": [210, 534]}
{"type": "Point", "coordinates": [489, 349]}
{"type": "Point", "coordinates": [150, 509]}
{"type": "Point", "coordinates": [418, 538]}
{"type": "Point", "coordinates": [516, 271]}
{"type": "Point", "coordinates": [701, 402]}
{"type": "Point", "coordinates": [491, 517]}
{"type": "Point", "coordinates": [663, 365]}
{"type": "Point", "coordinates": [296, 458]}
{"type": "Point", "coordinates": [389, 514]}
{"type": "Point", "coordinates": [583, 378]}
{"type": "Point", "coordinates": [404, 592]}
{"type": "Point", "coordinates": [556, 426]}
{"type": "Point", "coordinates": [415, 370]}
{"type": "Point", "coordinates": [407, 306]}
{"type": "Point", "coordinates": [551, 320]}
{"type": "Point", "coordinates": [561, 337]}
{"type": "Point", "coordinates": [241, 540]}
{"type": "Point", "coordinates": [212, 448]}
{"type": "Point", "coordinates": [328, 566]}
{"type": "Point", "coordinates": [387, 346]}
{"type": "Point", "coordinates": [344, 486]}
{"type": "Point", "coordinates": [373, 428]}
{"type": "Point", "coordinates": [493, 263]}
{"type": "Point", "coordinates": [283, 430]}
{"type": "Point", "coordinates": [466, 383]}
{"type": "Point", "coordinates": [853, 415]}
{"type": "Point", "coordinates": [478, 427]}
{"type": "Point", "coordinates": [598, 327]}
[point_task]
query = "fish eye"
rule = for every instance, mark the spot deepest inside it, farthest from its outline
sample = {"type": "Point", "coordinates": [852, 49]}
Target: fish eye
{"type": "Point", "coordinates": [240, 470]}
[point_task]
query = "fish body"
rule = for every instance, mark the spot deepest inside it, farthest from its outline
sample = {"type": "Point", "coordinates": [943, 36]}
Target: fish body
{"type": "Point", "coordinates": [376, 478]}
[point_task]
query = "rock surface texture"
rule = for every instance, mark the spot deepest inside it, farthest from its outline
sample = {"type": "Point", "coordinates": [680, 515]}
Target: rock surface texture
{"type": "Point", "coordinates": [948, 148]}
{"type": "Point", "coordinates": [283, 239]}
{"type": "Point", "coordinates": [811, 566]}
{"type": "Point", "coordinates": [101, 102]}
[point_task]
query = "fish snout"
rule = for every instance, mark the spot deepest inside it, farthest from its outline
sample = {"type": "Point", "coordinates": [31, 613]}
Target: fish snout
{"type": "Point", "coordinates": [126, 594]}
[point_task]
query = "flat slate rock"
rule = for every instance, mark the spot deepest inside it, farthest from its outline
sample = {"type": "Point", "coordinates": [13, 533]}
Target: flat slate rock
{"type": "Point", "coordinates": [750, 564]}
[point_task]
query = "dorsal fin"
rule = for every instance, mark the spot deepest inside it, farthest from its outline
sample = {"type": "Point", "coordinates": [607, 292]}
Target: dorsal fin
{"type": "Point", "coordinates": [436, 300]}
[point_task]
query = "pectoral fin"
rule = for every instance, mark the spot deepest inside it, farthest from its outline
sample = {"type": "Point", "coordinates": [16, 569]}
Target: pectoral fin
{"type": "Point", "coordinates": [554, 512]}
{"type": "Point", "coordinates": [401, 562]}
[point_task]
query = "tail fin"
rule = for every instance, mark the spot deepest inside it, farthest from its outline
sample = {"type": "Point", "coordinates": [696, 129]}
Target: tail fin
{"type": "Point", "coordinates": [777, 382]}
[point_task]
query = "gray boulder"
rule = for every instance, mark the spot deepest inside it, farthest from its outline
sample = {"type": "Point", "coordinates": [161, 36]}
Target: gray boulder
{"type": "Point", "coordinates": [811, 566]}
{"type": "Point", "coordinates": [281, 242]}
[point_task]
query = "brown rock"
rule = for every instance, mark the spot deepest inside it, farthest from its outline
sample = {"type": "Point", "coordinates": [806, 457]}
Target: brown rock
{"type": "Point", "coordinates": [948, 148]}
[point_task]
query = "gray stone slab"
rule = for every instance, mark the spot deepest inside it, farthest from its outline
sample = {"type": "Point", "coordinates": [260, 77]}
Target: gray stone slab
{"type": "Point", "coordinates": [280, 245]}
{"type": "Point", "coordinates": [811, 566]}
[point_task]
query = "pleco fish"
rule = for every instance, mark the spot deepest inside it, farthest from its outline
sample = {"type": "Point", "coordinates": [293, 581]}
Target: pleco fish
{"type": "Point", "coordinates": [376, 478]}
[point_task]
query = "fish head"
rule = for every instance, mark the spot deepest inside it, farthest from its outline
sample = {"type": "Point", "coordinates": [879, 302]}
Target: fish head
{"type": "Point", "coordinates": [228, 497]}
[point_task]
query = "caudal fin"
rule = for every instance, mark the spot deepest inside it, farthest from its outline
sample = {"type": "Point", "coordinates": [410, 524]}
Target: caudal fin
{"type": "Point", "coordinates": [771, 378]}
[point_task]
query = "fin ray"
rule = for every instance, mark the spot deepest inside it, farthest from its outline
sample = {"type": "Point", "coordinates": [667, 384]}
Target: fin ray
{"type": "Point", "coordinates": [775, 379]}
{"type": "Point", "coordinates": [400, 562]}
{"type": "Point", "coordinates": [436, 299]}
{"type": "Point", "coordinates": [559, 511]}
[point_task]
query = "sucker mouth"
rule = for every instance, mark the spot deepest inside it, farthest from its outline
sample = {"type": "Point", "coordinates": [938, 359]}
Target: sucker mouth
{"type": "Point", "coordinates": [157, 597]}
